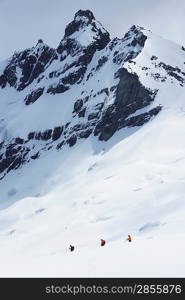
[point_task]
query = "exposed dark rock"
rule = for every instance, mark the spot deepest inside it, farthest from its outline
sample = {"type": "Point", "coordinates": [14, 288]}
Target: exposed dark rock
{"type": "Point", "coordinates": [144, 68]}
{"type": "Point", "coordinates": [50, 147]}
{"type": "Point", "coordinates": [19, 140]}
{"type": "Point", "coordinates": [35, 156]}
{"type": "Point", "coordinates": [76, 128]}
{"type": "Point", "coordinates": [15, 164]}
{"type": "Point", "coordinates": [3, 81]}
{"type": "Point", "coordinates": [101, 62]}
{"type": "Point", "coordinates": [131, 95]}
{"type": "Point", "coordinates": [10, 75]}
{"type": "Point", "coordinates": [57, 132]}
{"type": "Point", "coordinates": [31, 135]}
{"type": "Point", "coordinates": [70, 46]}
{"type": "Point", "coordinates": [81, 113]}
{"type": "Point", "coordinates": [46, 135]}
{"type": "Point", "coordinates": [118, 57]}
{"type": "Point", "coordinates": [40, 78]}
{"type": "Point", "coordinates": [67, 124]}
{"type": "Point", "coordinates": [154, 57]}
{"type": "Point", "coordinates": [11, 151]}
{"type": "Point", "coordinates": [31, 98]}
{"type": "Point", "coordinates": [86, 99]}
{"type": "Point", "coordinates": [105, 90]}
{"type": "Point", "coordinates": [52, 74]}
{"type": "Point", "coordinates": [140, 119]}
{"type": "Point", "coordinates": [1, 144]}
{"type": "Point", "coordinates": [99, 106]}
{"type": "Point", "coordinates": [72, 140]}
{"type": "Point", "coordinates": [93, 115]}
{"type": "Point", "coordinates": [14, 157]}
{"type": "Point", "coordinates": [74, 77]}
{"type": "Point", "coordinates": [78, 105]}
{"type": "Point", "coordinates": [90, 74]}
{"type": "Point", "coordinates": [32, 68]}
{"type": "Point", "coordinates": [59, 146]}
{"type": "Point", "coordinates": [30, 64]}
{"type": "Point", "coordinates": [157, 76]}
{"type": "Point", "coordinates": [113, 88]}
{"type": "Point", "coordinates": [172, 71]}
{"type": "Point", "coordinates": [38, 135]}
{"type": "Point", "coordinates": [60, 88]}
{"type": "Point", "coordinates": [141, 40]}
{"type": "Point", "coordinates": [85, 134]}
{"type": "Point", "coordinates": [134, 42]}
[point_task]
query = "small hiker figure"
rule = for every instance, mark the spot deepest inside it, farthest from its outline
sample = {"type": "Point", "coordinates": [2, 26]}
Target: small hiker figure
{"type": "Point", "coordinates": [129, 239]}
{"type": "Point", "coordinates": [102, 242]}
{"type": "Point", "coordinates": [71, 248]}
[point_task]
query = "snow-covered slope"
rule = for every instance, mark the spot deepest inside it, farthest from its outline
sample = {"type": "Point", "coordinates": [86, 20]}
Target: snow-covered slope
{"type": "Point", "coordinates": [92, 146]}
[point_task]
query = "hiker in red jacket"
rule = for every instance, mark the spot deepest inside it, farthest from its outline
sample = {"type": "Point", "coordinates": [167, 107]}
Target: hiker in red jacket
{"type": "Point", "coordinates": [129, 239]}
{"type": "Point", "coordinates": [102, 242]}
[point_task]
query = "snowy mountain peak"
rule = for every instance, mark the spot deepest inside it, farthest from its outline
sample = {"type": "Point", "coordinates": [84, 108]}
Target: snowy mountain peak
{"type": "Point", "coordinates": [40, 41]}
{"type": "Point", "coordinates": [136, 35]}
{"type": "Point", "coordinates": [82, 32]}
{"type": "Point", "coordinates": [40, 44]}
{"type": "Point", "coordinates": [39, 48]}
{"type": "Point", "coordinates": [85, 16]}
{"type": "Point", "coordinates": [81, 20]}
{"type": "Point", "coordinates": [88, 86]}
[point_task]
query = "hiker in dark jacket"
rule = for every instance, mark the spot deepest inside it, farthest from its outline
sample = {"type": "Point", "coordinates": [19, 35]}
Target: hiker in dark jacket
{"type": "Point", "coordinates": [71, 248]}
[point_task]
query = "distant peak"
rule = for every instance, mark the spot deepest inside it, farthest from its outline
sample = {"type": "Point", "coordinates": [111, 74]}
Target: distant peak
{"type": "Point", "coordinates": [81, 19]}
{"type": "Point", "coordinates": [138, 29]}
{"type": "Point", "coordinates": [40, 44]}
{"type": "Point", "coordinates": [83, 31]}
{"type": "Point", "coordinates": [82, 14]}
{"type": "Point", "coordinates": [135, 36]}
{"type": "Point", "coordinates": [40, 41]}
{"type": "Point", "coordinates": [134, 30]}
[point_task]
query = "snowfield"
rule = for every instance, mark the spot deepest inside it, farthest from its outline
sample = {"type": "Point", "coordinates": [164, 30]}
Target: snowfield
{"type": "Point", "coordinates": [132, 186]}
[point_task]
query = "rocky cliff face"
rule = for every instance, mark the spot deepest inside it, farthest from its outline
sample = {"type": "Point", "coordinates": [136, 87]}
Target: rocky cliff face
{"type": "Point", "coordinates": [87, 86]}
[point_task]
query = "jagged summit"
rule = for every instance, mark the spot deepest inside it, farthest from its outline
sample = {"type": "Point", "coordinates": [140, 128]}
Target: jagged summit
{"type": "Point", "coordinates": [84, 31]}
{"type": "Point", "coordinates": [40, 41]}
{"type": "Point", "coordinates": [89, 85]}
{"type": "Point", "coordinates": [81, 19]}
{"type": "Point", "coordinates": [84, 13]}
{"type": "Point", "coordinates": [136, 36]}
{"type": "Point", "coordinates": [84, 16]}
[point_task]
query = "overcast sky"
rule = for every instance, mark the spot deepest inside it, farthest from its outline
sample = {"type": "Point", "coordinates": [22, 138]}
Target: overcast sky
{"type": "Point", "coordinates": [23, 22]}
